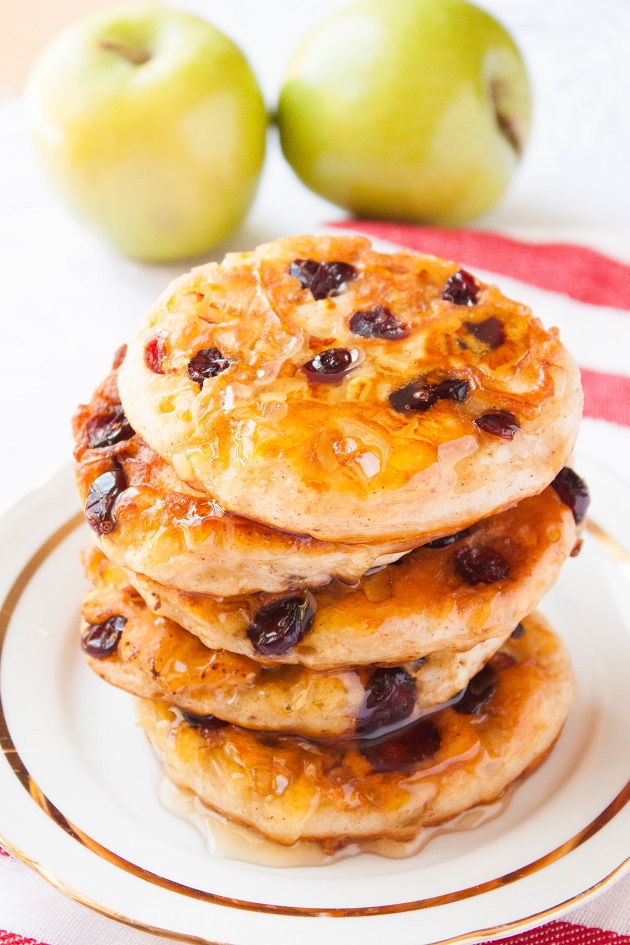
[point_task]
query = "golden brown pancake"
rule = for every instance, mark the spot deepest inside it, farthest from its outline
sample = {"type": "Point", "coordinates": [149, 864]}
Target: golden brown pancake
{"type": "Point", "coordinates": [156, 659]}
{"type": "Point", "coordinates": [290, 788]}
{"type": "Point", "coordinates": [329, 390]}
{"type": "Point", "coordinates": [162, 528]}
{"type": "Point", "coordinates": [432, 599]}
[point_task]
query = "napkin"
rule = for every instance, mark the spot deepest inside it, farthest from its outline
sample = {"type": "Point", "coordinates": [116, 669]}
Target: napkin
{"type": "Point", "coordinates": [581, 285]}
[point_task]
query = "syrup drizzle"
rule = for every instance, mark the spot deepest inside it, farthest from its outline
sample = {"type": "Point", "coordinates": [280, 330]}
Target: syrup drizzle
{"type": "Point", "coordinates": [227, 840]}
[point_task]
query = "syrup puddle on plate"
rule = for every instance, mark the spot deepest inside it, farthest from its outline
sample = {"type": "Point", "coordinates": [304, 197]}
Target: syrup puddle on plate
{"type": "Point", "coordinates": [232, 841]}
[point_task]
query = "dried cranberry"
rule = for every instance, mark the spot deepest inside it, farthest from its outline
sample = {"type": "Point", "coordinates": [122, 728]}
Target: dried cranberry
{"type": "Point", "coordinates": [119, 357]}
{"type": "Point", "coordinates": [573, 491]}
{"type": "Point", "coordinates": [208, 362]}
{"type": "Point", "coordinates": [277, 628]}
{"type": "Point", "coordinates": [453, 388]}
{"type": "Point", "coordinates": [480, 565]}
{"type": "Point", "coordinates": [577, 547]}
{"type": "Point", "coordinates": [304, 270]}
{"type": "Point", "coordinates": [101, 639]}
{"type": "Point", "coordinates": [322, 278]}
{"type": "Point", "coordinates": [331, 278]}
{"type": "Point", "coordinates": [518, 631]}
{"type": "Point", "coordinates": [499, 423]}
{"type": "Point", "coordinates": [109, 427]}
{"type": "Point", "coordinates": [448, 539]}
{"type": "Point", "coordinates": [479, 689]}
{"type": "Point", "coordinates": [501, 660]}
{"type": "Point", "coordinates": [377, 322]}
{"type": "Point", "coordinates": [461, 289]}
{"type": "Point", "coordinates": [155, 352]}
{"type": "Point", "coordinates": [101, 499]}
{"type": "Point", "coordinates": [491, 331]}
{"type": "Point", "coordinates": [404, 749]}
{"type": "Point", "coordinates": [206, 723]}
{"type": "Point", "coordinates": [330, 365]}
{"type": "Point", "coordinates": [390, 697]}
{"type": "Point", "coordinates": [421, 394]}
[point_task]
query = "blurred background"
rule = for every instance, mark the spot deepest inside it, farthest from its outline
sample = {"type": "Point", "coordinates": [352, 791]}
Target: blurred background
{"type": "Point", "coordinates": [577, 52]}
{"type": "Point", "coordinates": [62, 286]}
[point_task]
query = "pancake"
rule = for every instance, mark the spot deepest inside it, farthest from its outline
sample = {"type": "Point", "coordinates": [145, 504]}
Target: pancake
{"type": "Point", "coordinates": [329, 390]}
{"type": "Point", "coordinates": [290, 788]}
{"type": "Point", "coordinates": [156, 659]}
{"type": "Point", "coordinates": [432, 599]}
{"type": "Point", "coordinates": [162, 528]}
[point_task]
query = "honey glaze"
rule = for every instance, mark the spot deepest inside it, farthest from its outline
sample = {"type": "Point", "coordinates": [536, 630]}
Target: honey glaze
{"type": "Point", "coordinates": [229, 840]}
{"type": "Point", "coordinates": [333, 377]}
{"type": "Point", "coordinates": [412, 607]}
{"type": "Point", "coordinates": [393, 386]}
{"type": "Point", "coordinates": [177, 535]}
{"type": "Point", "coordinates": [155, 658]}
{"type": "Point", "coordinates": [292, 788]}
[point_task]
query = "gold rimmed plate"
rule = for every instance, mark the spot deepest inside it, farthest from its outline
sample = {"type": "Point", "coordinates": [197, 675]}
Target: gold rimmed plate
{"type": "Point", "coordinates": [78, 783]}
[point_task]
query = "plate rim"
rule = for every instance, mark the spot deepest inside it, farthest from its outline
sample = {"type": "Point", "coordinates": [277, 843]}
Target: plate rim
{"type": "Point", "coordinates": [466, 938]}
{"type": "Point", "coordinates": [17, 587]}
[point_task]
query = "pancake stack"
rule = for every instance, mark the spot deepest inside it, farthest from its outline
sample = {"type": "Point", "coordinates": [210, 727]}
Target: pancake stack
{"type": "Point", "coordinates": [327, 488]}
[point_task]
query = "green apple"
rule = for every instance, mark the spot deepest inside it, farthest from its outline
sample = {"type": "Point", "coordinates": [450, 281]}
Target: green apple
{"type": "Point", "coordinates": [150, 123]}
{"type": "Point", "coordinates": [415, 110]}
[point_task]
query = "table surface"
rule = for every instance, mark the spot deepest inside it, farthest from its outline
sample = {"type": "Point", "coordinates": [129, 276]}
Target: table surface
{"type": "Point", "coordinates": [68, 301]}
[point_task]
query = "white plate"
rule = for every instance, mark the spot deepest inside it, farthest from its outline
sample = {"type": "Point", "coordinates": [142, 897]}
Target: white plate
{"type": "Point", "coordinates": [78, 780]}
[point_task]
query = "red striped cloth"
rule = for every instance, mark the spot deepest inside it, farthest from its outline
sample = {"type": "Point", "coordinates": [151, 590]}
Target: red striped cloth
{"type": "Point", "coordinates": [10, 938]}
{"type": "Point", "coordinates": [565, 933]}
{"type": "Point", "coordinates": [606, 396]}
{"type": "Point", "coordinates": [580, 272]}
{"type": "Point", "coordinates": [555, 933]}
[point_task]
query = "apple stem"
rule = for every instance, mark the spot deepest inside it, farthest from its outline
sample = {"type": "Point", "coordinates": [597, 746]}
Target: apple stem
{"type": "Point", "coordinates": [510, 132]}
{"type": "Point", "coordinates": [508, 127]}
{"type": "Point", "coordinates": [137, 56]}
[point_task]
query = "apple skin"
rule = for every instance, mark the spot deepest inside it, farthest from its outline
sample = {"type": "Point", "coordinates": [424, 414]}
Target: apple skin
{"type": "Point", "coordinates": [162, 156]}
{"type": "Point", "coordinates": [413, 110]}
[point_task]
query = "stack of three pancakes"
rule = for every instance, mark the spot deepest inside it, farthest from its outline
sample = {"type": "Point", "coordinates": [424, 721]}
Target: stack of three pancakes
{"type": "Point", "coordinates": [349, 653]}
